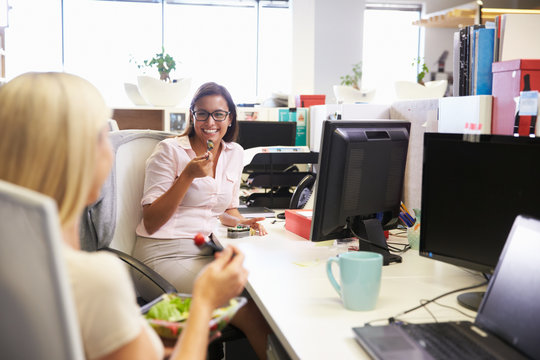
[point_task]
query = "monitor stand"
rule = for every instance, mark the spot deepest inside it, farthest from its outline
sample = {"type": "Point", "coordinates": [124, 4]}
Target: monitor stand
{"type": "Point", "coordinates": [471, 300]}
{"type": "Point", "coordinates": [372, 239]}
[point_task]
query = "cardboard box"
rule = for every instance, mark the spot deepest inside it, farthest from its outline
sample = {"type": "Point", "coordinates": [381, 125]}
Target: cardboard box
{"type": "Point", "coordinates": [299, 222]}
{"type": "Point", "coordinates": [508, 81]}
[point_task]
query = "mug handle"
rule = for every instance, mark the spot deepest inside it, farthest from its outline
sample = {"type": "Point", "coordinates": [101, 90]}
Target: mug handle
{"type": "Point", "coordinates": [331, 275]}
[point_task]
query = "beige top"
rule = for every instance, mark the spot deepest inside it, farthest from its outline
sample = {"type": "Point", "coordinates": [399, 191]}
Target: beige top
{"type": "Point", "coordinates": [109, 316]}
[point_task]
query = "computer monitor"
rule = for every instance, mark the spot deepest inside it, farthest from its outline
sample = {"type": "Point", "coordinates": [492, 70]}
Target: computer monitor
{"type": "Point", "coordinates": [255, 133]}
{"type": "Point", "coordinates": [473, 187]}
{"type": "Point", "coordinates": [360, 174]}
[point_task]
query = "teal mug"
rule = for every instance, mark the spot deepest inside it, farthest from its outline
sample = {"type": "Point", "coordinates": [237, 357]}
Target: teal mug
{"type": "Point", "coordinates": [360, 278]}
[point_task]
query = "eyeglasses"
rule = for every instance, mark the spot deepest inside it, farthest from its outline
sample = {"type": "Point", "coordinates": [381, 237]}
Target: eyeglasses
{"type": "Point", "coordinates": [202, 115]}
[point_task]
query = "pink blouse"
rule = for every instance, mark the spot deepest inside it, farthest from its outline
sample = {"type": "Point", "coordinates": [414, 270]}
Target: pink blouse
{"type": "Point", "coordinates": [206, 198]}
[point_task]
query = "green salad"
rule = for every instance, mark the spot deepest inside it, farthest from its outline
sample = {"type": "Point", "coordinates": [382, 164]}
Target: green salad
{"type": "Point", "coordinates": [167, 317]}
{"type": "Point", "coordinates": [171, 308]}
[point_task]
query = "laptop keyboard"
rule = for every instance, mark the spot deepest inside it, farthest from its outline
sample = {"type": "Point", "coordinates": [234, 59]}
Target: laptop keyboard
{"type": "Point", "coordinates": [444, 341]}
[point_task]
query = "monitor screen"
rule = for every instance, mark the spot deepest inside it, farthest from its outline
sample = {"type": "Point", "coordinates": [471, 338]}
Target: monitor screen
{"type": "Point", "coordinates": [257, 133]}
{"type": "Point", "coordinates": [360, 174]}
{"type": "Point", "coordinates": [472, 190]}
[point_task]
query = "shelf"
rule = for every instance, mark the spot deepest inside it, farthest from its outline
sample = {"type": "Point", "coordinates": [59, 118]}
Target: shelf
{"type": "Point", "coordinates": [461, 17]}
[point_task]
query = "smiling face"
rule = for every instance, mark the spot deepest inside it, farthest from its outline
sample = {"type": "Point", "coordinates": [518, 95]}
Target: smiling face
{"type": "Point", "coordinates": [211, 129]}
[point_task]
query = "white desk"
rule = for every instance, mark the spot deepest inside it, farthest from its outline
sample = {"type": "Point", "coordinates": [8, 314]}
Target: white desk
{"type": "Point", "coordinates": [288, 282]}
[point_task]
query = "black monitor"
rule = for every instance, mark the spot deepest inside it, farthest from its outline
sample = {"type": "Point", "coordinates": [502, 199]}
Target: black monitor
{"type": "Point", "coordinates": [473, 187]}
{"type": "Point", "coordinates": [360, 174]}
{"type": "Point", "coordinates": [255, 133]}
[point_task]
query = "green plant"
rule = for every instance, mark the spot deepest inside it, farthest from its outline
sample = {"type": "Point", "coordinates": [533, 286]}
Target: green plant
{"type": "Point", "coordinates": [163, 62]}
{"type": "Point", "coordinates": [354, 79]}
{"type": "Point", "coordinates": [424, 70]}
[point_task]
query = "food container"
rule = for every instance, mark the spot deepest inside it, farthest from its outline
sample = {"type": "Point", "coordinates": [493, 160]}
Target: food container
{"type": "Point", "coordinates": [172, 329]}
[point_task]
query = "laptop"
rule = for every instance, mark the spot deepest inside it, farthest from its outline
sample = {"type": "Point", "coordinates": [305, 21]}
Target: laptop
{"type": "Point", "coordinates": [507, 325]}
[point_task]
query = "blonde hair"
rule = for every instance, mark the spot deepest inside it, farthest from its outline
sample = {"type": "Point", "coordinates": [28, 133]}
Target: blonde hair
{"type": "Point", "coordinates": [50, 125]}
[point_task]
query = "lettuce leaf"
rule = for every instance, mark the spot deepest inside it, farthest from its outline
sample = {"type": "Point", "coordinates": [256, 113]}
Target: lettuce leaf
{"type": "Point", "coordinates": [172, 308]}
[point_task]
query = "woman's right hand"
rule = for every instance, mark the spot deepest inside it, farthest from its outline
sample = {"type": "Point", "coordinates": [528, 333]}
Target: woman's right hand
{"type": "Point", "coordinates": [200, 166]}
{"type": "Point", "coordinates": [222, 279]}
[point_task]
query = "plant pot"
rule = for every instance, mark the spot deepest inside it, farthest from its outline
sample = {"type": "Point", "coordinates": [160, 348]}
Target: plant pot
{"type": "Point", "coordinates": [162, 93]}
{"type": "Point", "coordinates": [407, 90]}
{"type": "Point", "coordinates": [132, 92]}
{"type": "Point", "coordinates": [350, 95]}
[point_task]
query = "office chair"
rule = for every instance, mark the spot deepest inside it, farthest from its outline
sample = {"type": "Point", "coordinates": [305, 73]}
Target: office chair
{"type": "Point", "coordinates": [113, 125]}
{"type": "Point", "coordinates": [39, 319]}
{"type": "Point", "coordinates": [109, 224]}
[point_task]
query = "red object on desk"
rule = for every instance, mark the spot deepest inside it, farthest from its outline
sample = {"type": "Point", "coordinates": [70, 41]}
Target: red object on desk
{"type": "Point", "coordinates": [508, 81]}
{"type": "Point", "coordinates": [310, 100]}
{"type": "Point", "coordinates": [297, 222]}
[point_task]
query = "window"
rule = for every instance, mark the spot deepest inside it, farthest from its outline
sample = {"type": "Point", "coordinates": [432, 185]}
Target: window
{"type": "Point", "coordinates": [391, 43]}
{"type": "Point", "coordinates": [244, 45]}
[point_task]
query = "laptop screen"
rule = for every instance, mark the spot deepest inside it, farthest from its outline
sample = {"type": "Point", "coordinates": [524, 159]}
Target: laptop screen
{"type": "Point", "coordinates": [511, 305]}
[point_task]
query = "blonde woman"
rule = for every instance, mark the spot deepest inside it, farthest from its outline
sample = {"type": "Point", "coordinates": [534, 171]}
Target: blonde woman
{"type": "Point", "coordinates": [53, 139]}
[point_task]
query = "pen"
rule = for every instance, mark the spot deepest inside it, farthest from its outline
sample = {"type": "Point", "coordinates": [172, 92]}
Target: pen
{"type": "Point", "coordinates": [407, 212]}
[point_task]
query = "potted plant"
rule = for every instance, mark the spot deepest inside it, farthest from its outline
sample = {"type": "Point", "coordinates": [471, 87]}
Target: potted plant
{"type": "Point", "coordinates": [408, 90]}
{"type": "Point", "coordinates": [355, 79]}
{"type": "Point", "coordinates": [164, 64]}
{"type": "Point", "coordinates": [350, 90]}
{"type": "Point", "coordinates": [423, 70]}
{"type": "Point", "coordinates": [163, 91]}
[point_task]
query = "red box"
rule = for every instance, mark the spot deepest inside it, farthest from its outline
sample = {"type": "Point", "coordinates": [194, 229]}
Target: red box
{"type": "Point", "coordinates": [310, 100]}
{"type": "Point", "coordinates": [299, 222]}
{"type": "Point", "coordinates": [508, 81]}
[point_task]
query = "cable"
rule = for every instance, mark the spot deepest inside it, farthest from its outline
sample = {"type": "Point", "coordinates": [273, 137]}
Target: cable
{"type": "Point", "coordinates": [393, 318]}
{"type": "Point", "coordinates": [443, 295]}
{"type": "Point", "coordinates": [398, 250]}
{"type": "Point", "coordinates": [367, 241]}
{"type": "Point", "coordinates": [424, 302]}
{"type": "Point", "coordinates": [455, 309]}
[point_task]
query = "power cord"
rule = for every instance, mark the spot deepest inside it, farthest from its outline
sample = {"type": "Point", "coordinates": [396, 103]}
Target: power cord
{"type": "Point", "coordinates": [423, 303]}
{"type": "Point", "coordinates": [367, 241]}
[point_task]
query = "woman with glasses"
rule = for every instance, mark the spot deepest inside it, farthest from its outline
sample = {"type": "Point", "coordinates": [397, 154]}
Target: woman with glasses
{"type": "Point", "coordinates": [191, 181]}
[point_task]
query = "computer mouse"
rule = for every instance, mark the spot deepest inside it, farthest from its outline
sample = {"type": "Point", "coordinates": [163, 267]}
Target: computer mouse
{"type": "Point", "coordinates": [281, 215]}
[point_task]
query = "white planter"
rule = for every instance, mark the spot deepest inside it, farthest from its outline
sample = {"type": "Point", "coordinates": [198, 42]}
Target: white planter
{"type": "Point", "coordinates": [407, 90]}
{"type": "Point", "coordinates": [132, 92]}
{"type": "Point", "coordinates": [162, 93]}
{"type": "Point", "coordinates": [350, 95]}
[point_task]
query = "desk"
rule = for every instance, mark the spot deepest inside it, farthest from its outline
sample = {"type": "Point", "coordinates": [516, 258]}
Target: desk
{"type": "Point", "coordinates": [288, 282]}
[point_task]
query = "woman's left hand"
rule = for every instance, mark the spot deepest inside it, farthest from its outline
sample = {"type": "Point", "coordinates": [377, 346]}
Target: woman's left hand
{"type": "Point", "coordinates": [254, 224]}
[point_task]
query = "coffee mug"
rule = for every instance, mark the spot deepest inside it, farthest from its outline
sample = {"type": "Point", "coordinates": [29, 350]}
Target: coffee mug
{"type": "Point", "coordinates": [360, 278]}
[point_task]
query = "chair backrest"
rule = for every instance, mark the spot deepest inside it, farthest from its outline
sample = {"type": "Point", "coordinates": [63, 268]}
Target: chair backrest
{"type": "Point", "coordinates": [130, 164]}
{"type": "Point", "coordinates": [113, 125]}
{"type": "Point", "coordinates": [38, 318]}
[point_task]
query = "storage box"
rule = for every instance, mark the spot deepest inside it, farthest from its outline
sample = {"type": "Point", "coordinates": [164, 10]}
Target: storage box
{"type": "Point", "coordinates": [508, 81]}
{"type": "Point", "coordinates": [465, 114]}
{"type": "Point", "coordinates": [299, 222]}
{"type": "Point", "coordinates": [310, 100]}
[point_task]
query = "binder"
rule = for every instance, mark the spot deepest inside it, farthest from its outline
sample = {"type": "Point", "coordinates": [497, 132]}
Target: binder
{"type": "Point", "coordinates": [484, 41]}
{"type": "Point", "coordinates": [456, 73]}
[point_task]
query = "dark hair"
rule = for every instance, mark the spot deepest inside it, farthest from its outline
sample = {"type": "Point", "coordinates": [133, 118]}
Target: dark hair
{"type": "Point", "coordinates": [207, 89]}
